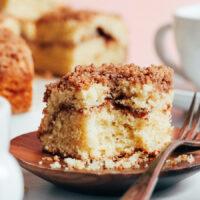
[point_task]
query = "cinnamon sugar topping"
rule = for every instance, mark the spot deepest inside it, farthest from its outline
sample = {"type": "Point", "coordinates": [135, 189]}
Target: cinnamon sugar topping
{"type": "Point", "coordinates": [108, 74]}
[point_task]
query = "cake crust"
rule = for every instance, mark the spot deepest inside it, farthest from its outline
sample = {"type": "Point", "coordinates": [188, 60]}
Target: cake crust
{"type": "Point", "coordinates": [110, 74]}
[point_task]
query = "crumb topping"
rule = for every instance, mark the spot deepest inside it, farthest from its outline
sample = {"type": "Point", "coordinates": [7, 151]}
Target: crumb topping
{"type": "Point", "coordinates": [179, 159]}
{"type": "Point", "coordinates": [111, 75]}
{"type": "Point", "coordinates": [66, 13]}
{"type": "Point", "coordinates": [14, 52]}
{"type": "Point", "coordinates": [139, 160]}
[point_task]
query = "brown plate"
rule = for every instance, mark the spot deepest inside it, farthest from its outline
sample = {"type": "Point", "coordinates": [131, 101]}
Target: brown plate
{"type": "Point", "coordinates": [28, 151]}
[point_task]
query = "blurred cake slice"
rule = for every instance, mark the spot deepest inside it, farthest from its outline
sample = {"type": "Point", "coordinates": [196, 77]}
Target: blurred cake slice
{"type": "Point", "coordinates": [27, 9]}
{"type": "Point", "coordinates": [11, 23]}
{"type": "Point", "coordinates": [73, 26]}
{"type": "Point", "coordinates": [61, 58]}
{"type": "Point", "coordinates": [108, 112]}
{"type": "Point", "coordinates": [66, 38]}
{"type": "Point", "coordinates": [16, 71]}
{"type": "Point", "coordinates": [27, 12]}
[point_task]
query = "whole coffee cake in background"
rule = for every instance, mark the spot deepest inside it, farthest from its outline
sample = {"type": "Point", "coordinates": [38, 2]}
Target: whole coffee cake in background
{"type": "Point", "coordinates": [66, 38]}
{"type": "Point", "coordinates": [109, 112]}
{"type": "Point", "coordinates": [16, 71]}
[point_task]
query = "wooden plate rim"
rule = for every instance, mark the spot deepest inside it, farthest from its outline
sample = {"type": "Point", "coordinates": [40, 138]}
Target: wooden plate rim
{"type": "Point", "coordinates": [25, 163]}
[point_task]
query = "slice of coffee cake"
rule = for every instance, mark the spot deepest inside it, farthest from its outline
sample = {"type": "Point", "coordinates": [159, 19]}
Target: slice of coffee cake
{"type": "Point", "coordinates": [66, 38]}
{"type": "Point", "coordinates": [108, 112]}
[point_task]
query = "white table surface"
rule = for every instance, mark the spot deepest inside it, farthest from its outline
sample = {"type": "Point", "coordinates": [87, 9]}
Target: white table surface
{"type": "Point", "coordinates": [39, 189]}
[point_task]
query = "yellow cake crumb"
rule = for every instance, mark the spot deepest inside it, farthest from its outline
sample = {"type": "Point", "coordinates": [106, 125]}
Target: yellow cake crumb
{"type": "Point", "coordinates": [108, 113]}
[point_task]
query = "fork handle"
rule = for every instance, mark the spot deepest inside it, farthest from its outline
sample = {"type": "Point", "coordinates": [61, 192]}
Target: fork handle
{"type": "Point", "coordinates": [144, 186]}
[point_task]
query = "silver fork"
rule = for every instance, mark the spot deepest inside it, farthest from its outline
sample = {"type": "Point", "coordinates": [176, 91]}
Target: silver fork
{"type": "Point", "coordinates": [144, 186]}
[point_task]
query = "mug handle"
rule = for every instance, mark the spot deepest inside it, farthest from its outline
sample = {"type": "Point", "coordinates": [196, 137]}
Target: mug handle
{"type": "Point", "coordinates": [162, 53]}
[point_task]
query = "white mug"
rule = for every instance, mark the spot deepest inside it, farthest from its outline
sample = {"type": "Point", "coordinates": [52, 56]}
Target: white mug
{"type": "Point", "coordinates": [186, 26]}
{"type": "Point", "coordinates": [11, 179]}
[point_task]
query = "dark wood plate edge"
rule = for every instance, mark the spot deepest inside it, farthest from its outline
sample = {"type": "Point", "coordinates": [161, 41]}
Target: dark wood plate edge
{"type": "Point", "coordinates": [165, 172]}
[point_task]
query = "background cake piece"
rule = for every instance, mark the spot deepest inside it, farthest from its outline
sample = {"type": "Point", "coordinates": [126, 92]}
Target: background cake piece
{"type": "Point", "coordinates": [108, 112]}
{"type": "Point", "coordinates": [27, 9]}
{"type": "Point", "coordinates": [73, 26]}
{"type": "Point", "coordinates": [66, 38]}
{"type": "Point", "coordinates": [61, 58]}
{"type": "Point", "coordinates": [11, 23]}
{"type": "Point", "coordinates": [16, 71]}
{"type": "Point", "coordinates": [24, 28]}
{"type": "Point", "coordinates": [28, 29]}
